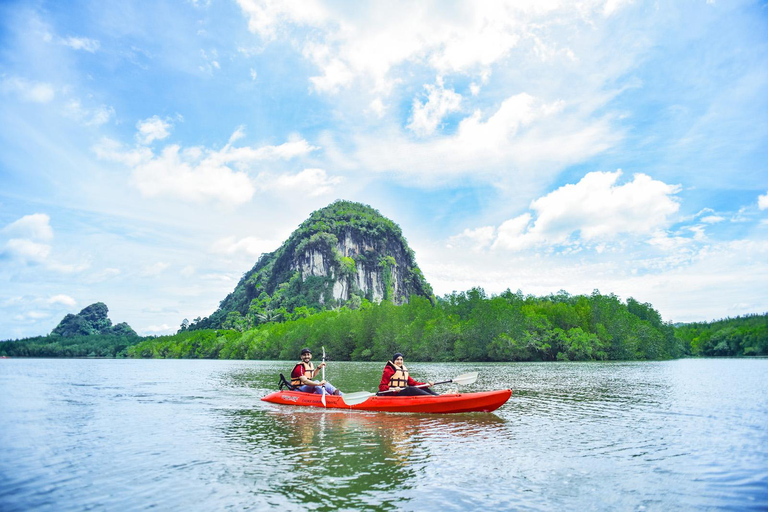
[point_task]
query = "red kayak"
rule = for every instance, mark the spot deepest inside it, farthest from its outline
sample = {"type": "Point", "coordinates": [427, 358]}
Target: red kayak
{"type": "Point", "coordinates": [486, 401]}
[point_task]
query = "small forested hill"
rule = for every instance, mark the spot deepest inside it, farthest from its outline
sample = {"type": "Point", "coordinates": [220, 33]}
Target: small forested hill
{"type": "Point", "coordinates": [341, 255]}
{"type": "Point", "coordinates": [89, 333]}
{"type": "Point", "coordinates": [91, 320]}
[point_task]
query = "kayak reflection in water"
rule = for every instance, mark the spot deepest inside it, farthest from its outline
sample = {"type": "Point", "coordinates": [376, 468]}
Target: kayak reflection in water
{"type": "Point", "coordinates": [395, 380]}
{"type": "Point", "coordinates": [305, 371]}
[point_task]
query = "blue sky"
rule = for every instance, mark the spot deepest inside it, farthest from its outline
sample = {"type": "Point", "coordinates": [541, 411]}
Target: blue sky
{"type": "Point", "coordinates": [149, 152]}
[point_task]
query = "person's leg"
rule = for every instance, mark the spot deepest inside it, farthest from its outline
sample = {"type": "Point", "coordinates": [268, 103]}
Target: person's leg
{"type": "Point", "coordinates": [413, 391]}
{"type": "Point", "coordinates": [331, 390]}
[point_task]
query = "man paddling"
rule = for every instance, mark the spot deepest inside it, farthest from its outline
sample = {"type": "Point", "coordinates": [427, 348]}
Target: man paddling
{"type": "Point", "coordinates": [305, 371]}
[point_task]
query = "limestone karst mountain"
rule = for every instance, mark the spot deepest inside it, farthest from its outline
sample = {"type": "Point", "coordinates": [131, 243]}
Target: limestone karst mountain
{"type": "Point", "coordinates": [91, 320]}
{"type": "Point", "coordinates": [340, 255]}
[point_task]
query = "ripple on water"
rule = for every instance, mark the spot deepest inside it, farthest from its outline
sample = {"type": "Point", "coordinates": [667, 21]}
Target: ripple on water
{"type": "Point", "coordinates": [193, 435]}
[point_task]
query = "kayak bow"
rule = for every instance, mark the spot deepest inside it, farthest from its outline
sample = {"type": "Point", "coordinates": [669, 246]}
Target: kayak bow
{"type": "Point", "coordinates": [486, 401]}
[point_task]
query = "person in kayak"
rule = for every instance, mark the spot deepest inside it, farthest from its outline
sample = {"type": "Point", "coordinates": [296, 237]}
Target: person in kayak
{"type": "Point", "coordinates": [396, 381]}
{"type": "Point", "coordinates": [305, 371]}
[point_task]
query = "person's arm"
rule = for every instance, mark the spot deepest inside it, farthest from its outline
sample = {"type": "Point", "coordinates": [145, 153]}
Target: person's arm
{"type": "Point", "coordinates": [307, 382]}
{"type": "Point", "coordinates": [385, 376]}
{"type": "Point", "coordinates": [412, 382]}
{"type": "Point", "coordinates": [317, 369]}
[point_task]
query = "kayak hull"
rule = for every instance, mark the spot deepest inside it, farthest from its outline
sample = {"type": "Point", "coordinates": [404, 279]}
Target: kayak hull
{"type": "Point", "coordinates": [486, 401]}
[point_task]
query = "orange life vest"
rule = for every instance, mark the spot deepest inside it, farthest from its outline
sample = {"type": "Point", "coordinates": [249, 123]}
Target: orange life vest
{"type": "Point", "coordinates": [309, 372]}
{"type": "Point", "coordinates": [400, 378]}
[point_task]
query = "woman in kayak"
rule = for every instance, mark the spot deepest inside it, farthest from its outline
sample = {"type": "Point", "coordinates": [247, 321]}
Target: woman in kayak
{"type": "Point", "coordinates": [305, 371]}
{"type": "Point", "coordinates": [395, 380]}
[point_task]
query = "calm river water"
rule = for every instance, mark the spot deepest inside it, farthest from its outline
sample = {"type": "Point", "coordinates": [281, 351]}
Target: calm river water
{"type": "Point", "coordinates": [193, 435]}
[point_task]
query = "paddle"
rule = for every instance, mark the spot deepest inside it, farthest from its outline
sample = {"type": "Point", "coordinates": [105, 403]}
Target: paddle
{"type": "Point", "coordinates": [323, 398]}
{"type": "Point", "coordinates": [361, 396]}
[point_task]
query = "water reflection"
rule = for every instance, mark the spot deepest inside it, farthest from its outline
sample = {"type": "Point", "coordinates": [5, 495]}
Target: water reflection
{"type": "Point", "coordinates": [193, 435]}
{"type": "Point", "coordinates": [347, 459]}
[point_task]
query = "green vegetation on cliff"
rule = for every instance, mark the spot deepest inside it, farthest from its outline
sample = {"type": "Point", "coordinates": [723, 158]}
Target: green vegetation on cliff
{"type": "Point", "coordinates": [92, 320]}
{"type": "Point", "coordinates": [274, 288]}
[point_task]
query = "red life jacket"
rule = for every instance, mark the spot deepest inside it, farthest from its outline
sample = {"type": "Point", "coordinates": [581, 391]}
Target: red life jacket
{"type": "Point", "coordinates": [399, 379]}
{"type": "Point", "coordinates": [309, 372]}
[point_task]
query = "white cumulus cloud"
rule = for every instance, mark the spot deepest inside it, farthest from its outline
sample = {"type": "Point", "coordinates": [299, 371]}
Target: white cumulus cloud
{"type": "Point", "coordinates": [295, 147]}
{"type": "Point", "coordinates": [31, 315]}
{"type": "Point", "coordinates": [66, 300]}
{"type": "Point", "coordinates": [560, 64]}
{"type": "Point", "coordinates": [597, 207]}
{"type": "Point", "coordinates": [28, 237]}
{"type": "Point", "coordinates": [376, 40]}
{"type": "Point", "coordinates": [514, 113]}
{"type": "Point", "coordinates": [198, 174]}
{"type": "Point", "coordinates": [762, 201]}
{"type": "Point", "coordinates": [81, 43]}
{"type": "Point", "coordinates": [28, 242]}
{"type": "Point", "coordinates": [88, 116]}
{"type": "Point", "coordinates": [267, 18]}
{"type": "Point", "coordinates": [27, 90]}
{"type": "Point", "coordinates": [251, 245]}
{"type": "Point", "coordinates": [524, 134]}
{"type": "Point", "coordinates": [511, 232]}
{"type": "Point", "coordinates": [183, 174]}
{"type": "Point", "coordinates": [594, 210]}
{"type": "Point", "coordinates": [159, 329]}
{"type": "Point", "coordinates": [152, 129]}
{"type": "Point", "coordinates": [477, 239]}
{"type": "Point", "coordinates": [311, 182]}
{"type": "Point", "coordinates": [36, 226]}
{"type": "Point", "coordinates": [428, 115]}
{"type": "Point", "coordinates": [27, 250]}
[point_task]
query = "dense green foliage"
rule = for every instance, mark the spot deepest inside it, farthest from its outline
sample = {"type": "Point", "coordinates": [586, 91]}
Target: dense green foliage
{"type": "Point", "coordinates": [95, 345]}
{"type": "Point", "coordinates": [274, 288]}
{"type": "Point", "coordinates": [740, 336]}
{"type": "Point", "coordinates": [466, 326]}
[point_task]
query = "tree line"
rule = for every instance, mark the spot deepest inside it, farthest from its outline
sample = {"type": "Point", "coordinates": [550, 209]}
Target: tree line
{"type": "Point", "coordinates": [54, 345]}
{"type": "Point", "coordinates": [463, 326]}
{"type": "Point", "coordinates": [740, 336]}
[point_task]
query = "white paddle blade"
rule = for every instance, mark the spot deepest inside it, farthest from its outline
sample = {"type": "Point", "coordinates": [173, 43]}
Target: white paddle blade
{"type": "Point", "coordinates": [466, 378]}
{"type": "Point", "coordinates": [356, 398]}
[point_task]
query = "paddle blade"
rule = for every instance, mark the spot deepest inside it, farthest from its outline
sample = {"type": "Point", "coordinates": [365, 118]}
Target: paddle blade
{"type": "Point", "coordinates": [466, 378]}
{"type": "Point", "coordinates": [356, 398]}
{"type": "Point", "coordinates": [323, 399]}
